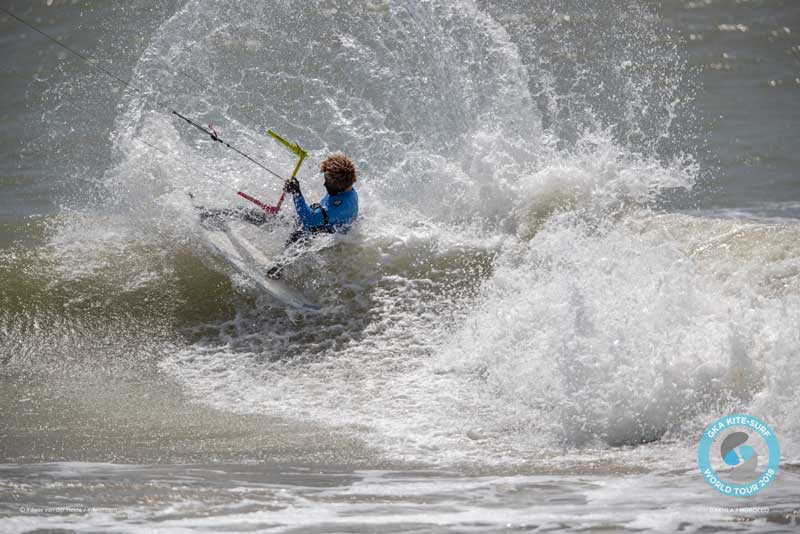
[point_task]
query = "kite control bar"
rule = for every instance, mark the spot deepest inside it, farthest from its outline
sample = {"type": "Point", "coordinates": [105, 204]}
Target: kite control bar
{"type": "Point", "coordinates": [295, 149]}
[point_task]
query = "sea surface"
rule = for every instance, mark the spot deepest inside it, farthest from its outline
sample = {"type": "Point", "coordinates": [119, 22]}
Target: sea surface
{"type": "Point", "coordinates": [579, 246]}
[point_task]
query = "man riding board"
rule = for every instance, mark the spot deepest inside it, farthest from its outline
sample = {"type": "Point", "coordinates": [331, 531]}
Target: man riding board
{"type": "Point", "coordinates": [337, 210]}
{"type": "Point", "coordinates": [335, 213]}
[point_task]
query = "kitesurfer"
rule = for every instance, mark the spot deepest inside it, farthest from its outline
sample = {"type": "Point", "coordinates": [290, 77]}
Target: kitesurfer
{"type": "Point", "coordinates": [337, 210]}
{"type": "Point", "coordinates": [335, 213]}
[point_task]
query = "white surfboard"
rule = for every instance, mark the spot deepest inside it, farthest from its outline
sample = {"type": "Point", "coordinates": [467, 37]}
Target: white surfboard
{"type": "Point", "coordinates": [248, 261]}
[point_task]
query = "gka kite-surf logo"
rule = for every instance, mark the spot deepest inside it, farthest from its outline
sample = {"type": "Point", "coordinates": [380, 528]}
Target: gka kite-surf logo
{"type": "Point", "coordinates": [739, 455]}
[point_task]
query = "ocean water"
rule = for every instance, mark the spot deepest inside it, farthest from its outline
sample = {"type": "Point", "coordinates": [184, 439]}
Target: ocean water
{"type": "Point", "coordinates": [579, 246]}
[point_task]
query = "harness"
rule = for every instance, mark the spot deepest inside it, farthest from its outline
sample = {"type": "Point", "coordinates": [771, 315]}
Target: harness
{"type": "Point", "coordinates": [325, 228]}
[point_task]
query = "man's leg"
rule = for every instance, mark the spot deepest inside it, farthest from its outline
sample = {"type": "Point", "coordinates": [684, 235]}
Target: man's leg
{"type": "Point", "coordinates": [256, 216]}
{"type": "Point", "coordinates": [297, 241]}
{"type": "Point", "coordinates": [215, 217]}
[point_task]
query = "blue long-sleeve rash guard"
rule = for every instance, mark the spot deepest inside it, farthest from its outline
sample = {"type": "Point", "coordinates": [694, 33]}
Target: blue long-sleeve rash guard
{"type": "Point", "coordinates": [332, 214]}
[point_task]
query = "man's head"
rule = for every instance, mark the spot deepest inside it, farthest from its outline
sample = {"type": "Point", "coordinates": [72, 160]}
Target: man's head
{"type": "Point", "coordinates": [340, 173]}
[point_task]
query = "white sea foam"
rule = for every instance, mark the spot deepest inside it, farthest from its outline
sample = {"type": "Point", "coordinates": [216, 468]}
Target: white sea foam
{"type": "Point", "coordinates": [510, 291]}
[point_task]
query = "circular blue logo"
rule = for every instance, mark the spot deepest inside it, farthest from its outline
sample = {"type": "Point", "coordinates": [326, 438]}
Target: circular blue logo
{"type": "Point", "coordinates": [739, 455]}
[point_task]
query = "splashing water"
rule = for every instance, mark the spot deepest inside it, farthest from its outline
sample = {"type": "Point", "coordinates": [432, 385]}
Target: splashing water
{"type": "Point", "coordinates": [512, 287]}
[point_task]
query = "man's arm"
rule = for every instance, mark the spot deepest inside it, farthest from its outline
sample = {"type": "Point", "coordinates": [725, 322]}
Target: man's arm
{"type": "Point", "coordinates": [312, 216]}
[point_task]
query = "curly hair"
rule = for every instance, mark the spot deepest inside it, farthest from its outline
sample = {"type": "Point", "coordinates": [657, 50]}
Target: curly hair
{"type": "Point", "coordinates": [339, 170]}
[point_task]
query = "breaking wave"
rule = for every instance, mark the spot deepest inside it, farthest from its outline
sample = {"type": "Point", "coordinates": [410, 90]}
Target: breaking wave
{"type": "Point", "coordinates": [515, 285]}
